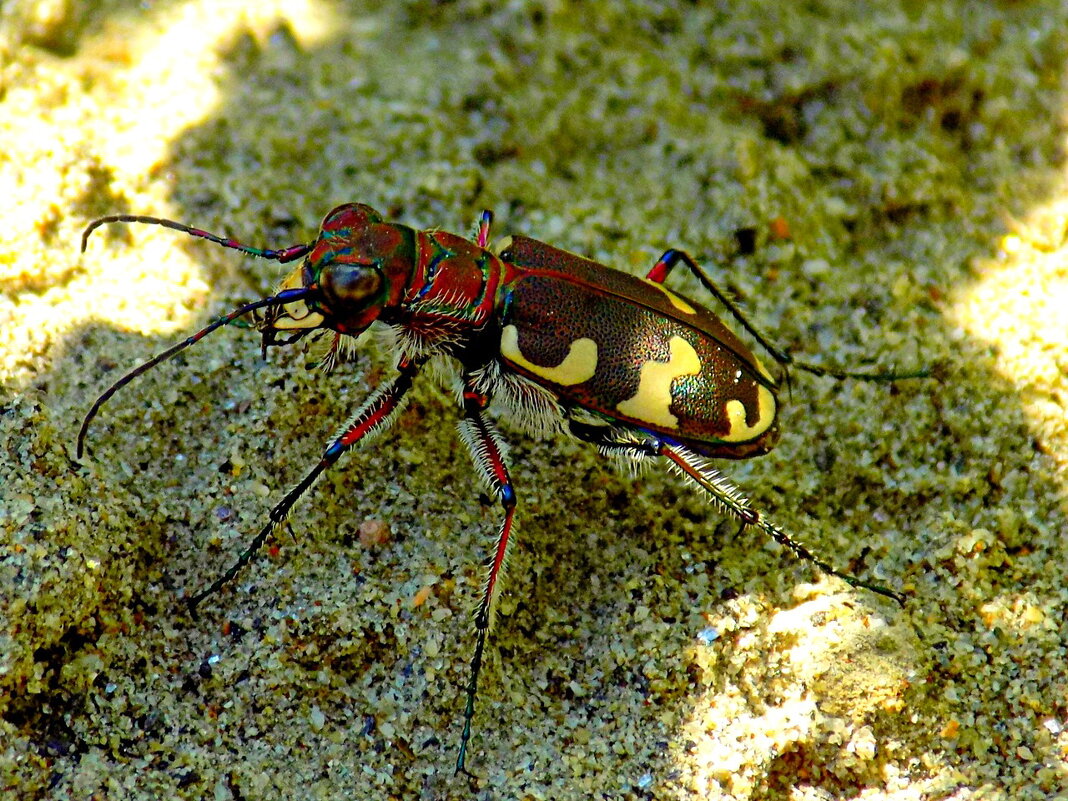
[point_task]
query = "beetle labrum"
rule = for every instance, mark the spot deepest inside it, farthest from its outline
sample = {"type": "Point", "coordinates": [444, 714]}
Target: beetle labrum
{"type": "Point", "coordinates": [562, 344]}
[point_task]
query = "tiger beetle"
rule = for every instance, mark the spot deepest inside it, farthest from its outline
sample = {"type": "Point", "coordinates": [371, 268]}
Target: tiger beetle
{"type": "Point", "coordinates": [559, 343]}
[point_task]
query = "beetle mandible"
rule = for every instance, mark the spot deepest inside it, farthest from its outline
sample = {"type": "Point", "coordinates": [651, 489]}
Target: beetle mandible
{"type": "Point", "coordinates": [560, 343]}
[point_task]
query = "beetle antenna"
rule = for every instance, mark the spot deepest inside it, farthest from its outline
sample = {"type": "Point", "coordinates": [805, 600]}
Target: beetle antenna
{"type": "Point", "coordinates": [286, 296]}
{"type": "Point", "coordinates": [284, 255]}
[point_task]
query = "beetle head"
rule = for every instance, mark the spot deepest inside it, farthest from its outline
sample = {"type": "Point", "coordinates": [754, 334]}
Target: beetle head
{"type": "Point", "coordinates": [356, 268]}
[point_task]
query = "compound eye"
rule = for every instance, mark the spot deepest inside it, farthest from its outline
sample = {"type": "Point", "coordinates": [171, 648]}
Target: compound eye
{"type": "Point", "coordinates": [350, 284]}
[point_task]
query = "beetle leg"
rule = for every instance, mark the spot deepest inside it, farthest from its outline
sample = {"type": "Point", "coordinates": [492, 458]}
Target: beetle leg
{"type": "Point", "coordinates": [488, 453]}
{"type": "Point", "coordinates": [482, 231]}
{"type": "Point", "coordinates": [724, 492]}
{"type": "Point", "coordinates": [377, 413]}
{"type": "Point", "coordinates": [612, 443]}
{"type": "Point", "coordinates": [728, 496]}
{"type": "Point", "coordinates": [660, 271]}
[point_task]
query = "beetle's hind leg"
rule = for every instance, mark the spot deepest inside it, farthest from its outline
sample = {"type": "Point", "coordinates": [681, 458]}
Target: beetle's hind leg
{"type": "Point", "coordinates": [630, 447]}
{"type": "Point", "coordinates": [660, 271]}
{"type": "Point", "coordinates": [488, 453]}
{"type": "Point", "coordinates": [729, 497]}
{"type": "Point", "coordinates": [639, 445]}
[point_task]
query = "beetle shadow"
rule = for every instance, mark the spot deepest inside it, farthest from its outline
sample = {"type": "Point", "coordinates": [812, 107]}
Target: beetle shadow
{"type": "Point", "coordinates": [601, 656]}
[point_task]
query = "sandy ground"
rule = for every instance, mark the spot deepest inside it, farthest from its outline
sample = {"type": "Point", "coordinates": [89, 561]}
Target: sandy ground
{"type": "Point", "coordinates": [901, 174]}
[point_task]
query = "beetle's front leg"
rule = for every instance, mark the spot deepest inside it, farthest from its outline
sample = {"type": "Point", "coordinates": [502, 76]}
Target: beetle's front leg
{"type": "Point", "coordinates": [488, 453]}
{"type": "Point", "coordinates": [377, 413]}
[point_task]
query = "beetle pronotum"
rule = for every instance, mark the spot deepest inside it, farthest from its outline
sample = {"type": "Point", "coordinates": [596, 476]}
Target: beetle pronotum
{"type": "Point", "coordinates": [560, 343]}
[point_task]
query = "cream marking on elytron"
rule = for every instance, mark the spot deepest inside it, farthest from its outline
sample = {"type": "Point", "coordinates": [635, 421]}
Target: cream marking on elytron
{"type": "Point", "coordinates": [652, 400]}
{"type": "Point", "coordinates": [740, 431]}
{"type": "Point", "coordinates": [579, 365]}
{"type": "Point", "coordinates": [763, 371]}
{"type": "Point", "coordinates": [676, 301]}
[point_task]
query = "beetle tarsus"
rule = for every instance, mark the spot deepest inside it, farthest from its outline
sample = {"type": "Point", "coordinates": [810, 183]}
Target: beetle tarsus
{"type": "Point", "coordinates": [231, 573]}
{"type": "Point", "coordinates": [802, 552]}
{"type": "Point", "coordinates": [471, 692]}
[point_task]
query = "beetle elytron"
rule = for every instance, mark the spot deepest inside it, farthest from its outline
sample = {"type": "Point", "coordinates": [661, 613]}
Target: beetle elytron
{"type": "Point", "coordinates": [560, 343]}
